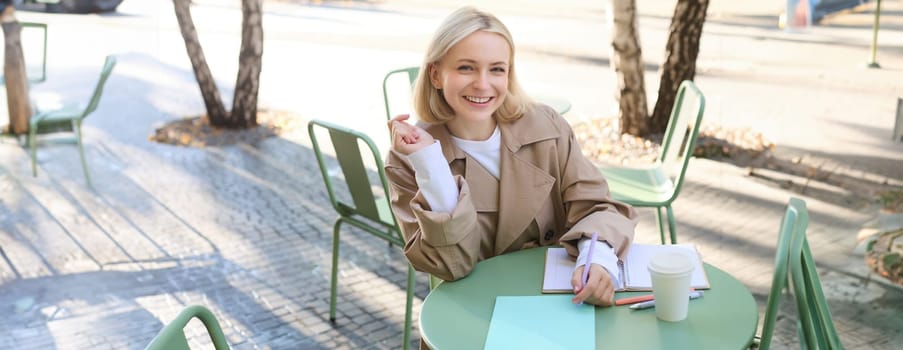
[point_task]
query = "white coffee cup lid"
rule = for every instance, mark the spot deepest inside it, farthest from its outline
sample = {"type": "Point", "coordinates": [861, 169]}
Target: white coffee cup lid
{"type": "Point", "coordinates": [671, 263]}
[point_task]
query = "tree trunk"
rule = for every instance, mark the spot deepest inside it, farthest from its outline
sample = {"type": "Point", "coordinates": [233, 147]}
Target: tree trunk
{"type": "Point", "coordinates": [216, 112]}
{"type": "Point", "coordinates": [680, 57]}
{"type": "Point", "coordinates": [244, 103]}
{"type": "Point", "coordinates": [14, 73]}
{"type": "Point", "coordinates": [627, 61]}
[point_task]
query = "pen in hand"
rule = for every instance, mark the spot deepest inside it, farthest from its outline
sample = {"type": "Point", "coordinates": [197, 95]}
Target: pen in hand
{"type": "Point", "coordinates": [589, 259]}
{"type": "Point", "coordinates": [651, 303]}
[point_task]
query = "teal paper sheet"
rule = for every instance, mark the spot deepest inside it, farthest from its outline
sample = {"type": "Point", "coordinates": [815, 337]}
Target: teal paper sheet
{"type": "Point", "coordinates": [541, 322]}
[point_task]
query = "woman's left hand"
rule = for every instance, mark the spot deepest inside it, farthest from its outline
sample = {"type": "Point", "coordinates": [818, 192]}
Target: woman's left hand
{"type": "Point", "coordinates": [407, 138]}
{"type": "Point", "coordinates": [598, 290]}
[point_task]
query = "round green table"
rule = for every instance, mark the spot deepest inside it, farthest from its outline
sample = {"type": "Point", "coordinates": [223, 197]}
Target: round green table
{"type": "Point", "coordinates": [456, 315]}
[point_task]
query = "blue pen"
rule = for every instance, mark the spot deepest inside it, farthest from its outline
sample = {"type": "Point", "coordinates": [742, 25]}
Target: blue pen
{"type": "Point", "coordinates": [589, 259]}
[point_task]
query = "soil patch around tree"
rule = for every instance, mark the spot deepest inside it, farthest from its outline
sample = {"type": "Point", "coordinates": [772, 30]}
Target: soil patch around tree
{"type": "Point", "coordinates": [196, 131]}
{"type": "Point", "coordinates": [885, 256]}
{"type": "Point", "coordinates": [602, 141]}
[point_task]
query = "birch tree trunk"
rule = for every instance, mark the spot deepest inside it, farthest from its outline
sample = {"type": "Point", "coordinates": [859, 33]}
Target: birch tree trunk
{"type": "Point", "coordinates": [247, 85]}
{"type": "Point", "coordinates": [14, 74]}
{"type": "Point", "coordinates": [627, 62]}
{"type": "Point", "coordinates": [681, 52]}
{"type": "Point", "coordinates": [216, 112]}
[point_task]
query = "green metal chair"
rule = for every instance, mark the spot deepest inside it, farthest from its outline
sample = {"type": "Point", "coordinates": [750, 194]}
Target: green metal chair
{"type": "Point", "coordinates": [816, 327]}
{"type": "Point", "coordinates": [172, 337]}
{"type": "Point", "coordinates": [366, 210]}
{"type": "Point", "coordinates": [410, 72]}
{"type": "Point", "coordinates": [793, 262]}
{"type": "Point", "coordinates": [658, 185]}
{"type": "Point", "coordinates": [781, 261]}
{"type": "Point", "coordinates": [67, 119]}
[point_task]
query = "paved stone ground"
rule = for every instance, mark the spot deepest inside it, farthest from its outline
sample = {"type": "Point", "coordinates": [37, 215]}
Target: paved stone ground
{"type": "Point", "coordinates": [246, 229]}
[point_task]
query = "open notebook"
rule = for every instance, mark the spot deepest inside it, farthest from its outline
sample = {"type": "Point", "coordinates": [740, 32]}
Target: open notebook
{"type": "Point", "coordinates": [634, 276]}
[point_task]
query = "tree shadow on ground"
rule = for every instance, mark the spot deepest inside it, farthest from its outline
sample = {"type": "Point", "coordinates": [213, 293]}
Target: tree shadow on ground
{"type": "Point", "coordinates": [254, 211]}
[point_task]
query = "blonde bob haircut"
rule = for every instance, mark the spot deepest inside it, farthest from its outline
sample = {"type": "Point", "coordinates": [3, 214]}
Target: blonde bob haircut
{"type": "Point", "coordinates": [429, 103]}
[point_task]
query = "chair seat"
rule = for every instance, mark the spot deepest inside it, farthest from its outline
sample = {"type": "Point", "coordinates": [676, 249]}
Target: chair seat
{"type": "Point", "coordinates": [383, 212]}
{"type": "Point", "coordinates": [67, 112]}
{"type": "Point", "coordinates": [647, 186]}
{"type": "Point", "coordinates": [55, 120]}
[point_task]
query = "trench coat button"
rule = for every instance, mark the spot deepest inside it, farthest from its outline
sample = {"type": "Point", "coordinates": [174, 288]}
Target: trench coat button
{"type": "Point", "coordinates": [548, 235]}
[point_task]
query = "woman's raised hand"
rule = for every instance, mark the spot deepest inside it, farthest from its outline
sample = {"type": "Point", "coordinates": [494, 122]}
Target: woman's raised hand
{"type": "Point", "coordinates": [407, 138]}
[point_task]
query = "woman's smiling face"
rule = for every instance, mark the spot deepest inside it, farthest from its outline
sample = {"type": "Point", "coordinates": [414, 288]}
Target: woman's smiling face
{"type": "Point", "coordinates": [473, 75]}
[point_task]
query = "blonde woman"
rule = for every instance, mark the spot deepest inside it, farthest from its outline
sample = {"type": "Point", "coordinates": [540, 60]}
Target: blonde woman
{"type": "Point", "coordinates": [488, 171]}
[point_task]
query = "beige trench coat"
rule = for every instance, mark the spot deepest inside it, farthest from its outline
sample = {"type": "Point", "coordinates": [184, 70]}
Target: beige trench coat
{"type": "Point", "coordinates": [548, 193]}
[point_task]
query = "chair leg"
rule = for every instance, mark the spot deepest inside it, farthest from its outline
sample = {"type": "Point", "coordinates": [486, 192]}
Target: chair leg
{"type": "Point", "coordinates": [801, 333]}
{"type": "Point", "coordinates": [408, 309]}
{"type": "Point", "coordinates": [661, 224]}
{"type": "Point", "coordinates": [672, 225]}
{"type": "Point", "coordinates": [335, 268]}
{"type": "Point", "coordinates": [81, 151]}
{"type": "Point", "coordinates": [32, 148]}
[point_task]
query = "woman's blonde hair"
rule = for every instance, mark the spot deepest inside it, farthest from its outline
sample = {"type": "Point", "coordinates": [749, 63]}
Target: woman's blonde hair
{"type": "Point", "coordinates": [429, 103]}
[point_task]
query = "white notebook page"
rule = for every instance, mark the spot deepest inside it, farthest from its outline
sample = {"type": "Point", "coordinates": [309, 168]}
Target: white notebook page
{"type": "Point", "coordinates": [559, 269]}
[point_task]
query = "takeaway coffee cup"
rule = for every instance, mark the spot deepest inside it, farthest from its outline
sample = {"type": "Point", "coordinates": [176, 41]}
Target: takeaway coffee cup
{"type": "Point", "coordinates": [671, 273]}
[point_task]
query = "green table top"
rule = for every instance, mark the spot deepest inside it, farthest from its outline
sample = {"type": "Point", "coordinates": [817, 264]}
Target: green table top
{"type": "Point", "coordinates": [456, 315]}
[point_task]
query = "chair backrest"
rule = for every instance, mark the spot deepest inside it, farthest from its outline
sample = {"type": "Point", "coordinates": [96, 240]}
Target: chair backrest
{"type": "Point", "coordinates": [410, 72]}
{"type": "Point", "coordinates": [793, 262]}
{"type": "Point", "coordinates": [364, 202]}
{"type": "Point", "coordinates": [108, 65]}
{"type": "Point", "coordinates": [680, 135]}
{"type": "Point", "coordinates": [815, 325]}
{"type": "Point", "coordinates": [172, 336]}
{"type": "Point", "coordinates": [34, 49]}
{"type": "Point", "coordinates": [781, 262]}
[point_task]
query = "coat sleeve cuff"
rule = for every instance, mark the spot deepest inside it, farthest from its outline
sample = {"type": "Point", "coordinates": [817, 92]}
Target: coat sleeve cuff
{"type": "Point", "coordinates": [603, 255]}
{"type": "Point", "coordinates": [447, 228]}
{"type": "Point", "coordinates": [434, 178]}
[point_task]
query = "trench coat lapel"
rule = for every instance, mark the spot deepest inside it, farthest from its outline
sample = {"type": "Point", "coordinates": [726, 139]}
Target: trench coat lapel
{"type": "Point", "coordinates": [523, 187]}
{"type": "Point", "coordinates": [484, 188]}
